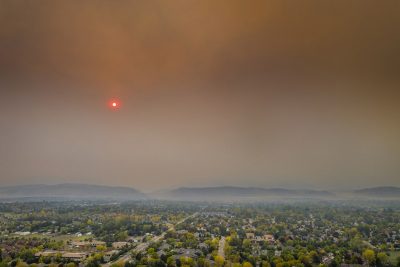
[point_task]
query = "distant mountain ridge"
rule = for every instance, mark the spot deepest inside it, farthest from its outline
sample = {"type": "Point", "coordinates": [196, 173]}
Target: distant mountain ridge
{"type": "Point", "coordinates": [240, 192]}
{"type": "Point", "coordinates": [76, 191]}
{"type": "Point", "coordinates": [70, 191]}
{"type": "Point", "coordinates": [380, 191]}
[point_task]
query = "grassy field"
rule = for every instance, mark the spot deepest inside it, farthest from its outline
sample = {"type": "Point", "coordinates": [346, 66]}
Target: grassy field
{"type": "Point", "coordinates": [393, 255]}
{"type": "Point", "coordinates": [57, 237]}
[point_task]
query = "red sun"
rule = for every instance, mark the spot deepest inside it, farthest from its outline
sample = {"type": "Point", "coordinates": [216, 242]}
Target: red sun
{"type": "Point", "coordinates": [114, 104]}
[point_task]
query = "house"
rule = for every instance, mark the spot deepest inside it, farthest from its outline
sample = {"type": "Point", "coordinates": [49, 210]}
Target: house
{"type": "Point", "coordinates": [192, 253]}
{"type": "Point", "coordinates": [82, 244]}
{"type": "Point", "coordinates": [327, 259]}
{"type": "Point", "coordinates": [79, 244]}
{"type": "Point", "coordinates": [164, 246]}
{"type": "Point", "coordinates": [119, 245]}
{"type": "Point", "coordinates": [74, 256]}
{"type": "Point", "coordinates": [96, 243]}
{"type": "Point", "coordinates": [107, 255]}
{"type": "Point", "coordinates": [46, 253]}
{"type": "Point", "coordinates": [22, 233]}
{"type": "Point", "coordinates": [269, 238]}
{"type": "Point", "coordinates": [250, 235]}
{"type": "Point", "coordinates": [135, 239]}
{"type": "Point", "coordinates": [160, 253]}
{"type": "Point", "coordinates": [257, 238]}
{"type": "Point", "coordinates": [203, 246]}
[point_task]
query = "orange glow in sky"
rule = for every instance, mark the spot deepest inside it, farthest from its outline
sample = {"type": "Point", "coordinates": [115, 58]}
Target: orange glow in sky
{"type": "Point", "coordinates": [114, 104]}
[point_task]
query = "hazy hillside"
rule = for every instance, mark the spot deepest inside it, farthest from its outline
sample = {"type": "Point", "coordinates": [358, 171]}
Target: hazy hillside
{"type": "Point", "coordinates": [230, 192]}
{"type": "Point", "coordinates": [70, 191]}
{"type": "Point", "coordinates": [101, 192]}
{"type": "Point", "coordinates": [383, 191]}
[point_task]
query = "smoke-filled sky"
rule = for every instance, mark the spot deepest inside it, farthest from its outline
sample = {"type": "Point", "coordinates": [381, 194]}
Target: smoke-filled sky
{"type": "Point", "coordinates": [249, 93]}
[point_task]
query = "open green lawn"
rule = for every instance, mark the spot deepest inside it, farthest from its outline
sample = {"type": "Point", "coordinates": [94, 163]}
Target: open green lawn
{"type": "Point", "coordinates": [57, 237]}
{"type": "Point", "coordinates": [393, 255]}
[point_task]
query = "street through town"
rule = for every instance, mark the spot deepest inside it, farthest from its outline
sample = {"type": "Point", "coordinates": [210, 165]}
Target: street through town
{"type": "Point", "coordinates": [221, 247]}
{"type": "Point", "coordinates": [143, 246]}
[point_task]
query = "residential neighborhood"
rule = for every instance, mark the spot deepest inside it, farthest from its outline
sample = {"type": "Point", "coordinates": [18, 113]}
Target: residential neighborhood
{"type": "Point", "coordinates": [163, 233]}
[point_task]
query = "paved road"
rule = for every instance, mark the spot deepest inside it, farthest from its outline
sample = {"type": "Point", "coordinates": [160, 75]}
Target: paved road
{"type": "Point", "coordinates": [221, 247]}
{"type": "Point", "coordinates": [143, 246]}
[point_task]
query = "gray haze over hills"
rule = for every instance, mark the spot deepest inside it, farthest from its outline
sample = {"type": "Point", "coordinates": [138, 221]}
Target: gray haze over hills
{"type": "Point", "coordinates": [70, 191]}
{"type": "Point", "coordinates": [383, 191]}
{"type": "Point", "coordinates": [231, 192]}
{"type": "Point", "coordinates": [101, 192]}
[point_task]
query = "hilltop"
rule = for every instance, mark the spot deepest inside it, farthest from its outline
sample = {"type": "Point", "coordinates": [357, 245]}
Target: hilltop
{"type": "Point", "coordinates": [70, 191]}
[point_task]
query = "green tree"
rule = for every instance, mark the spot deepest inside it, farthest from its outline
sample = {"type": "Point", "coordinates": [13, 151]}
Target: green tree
{"type": "Point", "coordinates": [382, 259]}
{"type": "Point", "coordinates": [171, 261]}
{"type": "Point", "coordinates": [369, 256]}
{"type": "Point", "coordinates": [101, 248]}
{"type": "Point", "coordinates": [219, 261]}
